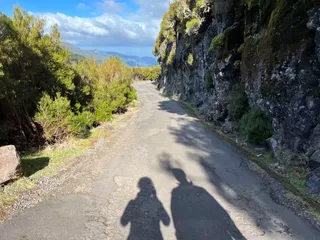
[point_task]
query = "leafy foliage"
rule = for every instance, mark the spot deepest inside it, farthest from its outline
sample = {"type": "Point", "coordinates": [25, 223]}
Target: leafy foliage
{"type": "Point", "coordinates": [54, 116]}
{"type": "Point", "coordinates": [172, 55]}
{"type": "Point", "coordinates": [241, 48]}
{"type": "Point", "coordinates": [238, 102]}
{"type": "Point", "coordinates": [44, 95]}
{"type": "Point", "coordinates": [183, 15]}
{"type": "Point", "coordinates": [237, 64]}
{"type": "Point", "coordinates": [256, 126]}
{"type": "Point", "coordinates": [209, 80]}
{"type": "Point", "coordinates": [193, 26]}
{"type": "Point", "coordinates": [147, 73]}
{"type": "Point", "coordinates": [217, 42]}
{"type": "Point", "coordinates": [190, 59]}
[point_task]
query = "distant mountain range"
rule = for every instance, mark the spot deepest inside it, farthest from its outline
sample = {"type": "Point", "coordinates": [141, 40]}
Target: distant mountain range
{"type": "Point", "coordinates": [100, 56]}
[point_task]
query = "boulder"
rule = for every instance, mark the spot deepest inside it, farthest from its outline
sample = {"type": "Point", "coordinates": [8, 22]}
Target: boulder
{"type": "Point", "coordinates": [228, 127]}
{"type": "Point", "coordinates": [9, 163]}
{"type": "Point", "coordinates": [274, 145]}
{"type": "Point", "coordinates": [313, 182]}
{"type": "Point", "coordinates": [315, 160]}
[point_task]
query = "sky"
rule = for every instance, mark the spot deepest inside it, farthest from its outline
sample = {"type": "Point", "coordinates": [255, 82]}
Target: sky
{"type": "Point", "coordinates": [125, 26]}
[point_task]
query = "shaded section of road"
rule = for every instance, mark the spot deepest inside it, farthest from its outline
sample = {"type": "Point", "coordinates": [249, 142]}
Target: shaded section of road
{"type": "Point", "coordinates": [191, 185]}
{"type": "Point", "coordinates": [197, 215]}
{"type": "Point", "coordinates": [145, 213]}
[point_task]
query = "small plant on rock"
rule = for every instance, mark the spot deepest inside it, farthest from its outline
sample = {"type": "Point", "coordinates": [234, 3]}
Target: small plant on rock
{"type": "Point", "coordinates": [238, 102]}
{"type": "Point", "coordinates": [209, 80]}
{"type": "Point", "coordinates": [217, 42]}
{"type": "Point", "coordinates": [193, 26]}
{"type": "Point", "coordinates": [256, 126]}
{"type": "Point", "coordinates": [237, 64]}
{"type": "Point", "coordinates": [190, 59]}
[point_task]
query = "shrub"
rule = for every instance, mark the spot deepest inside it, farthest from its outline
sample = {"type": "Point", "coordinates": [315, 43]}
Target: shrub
{"type": "Point", "coordinates": [252, 3]}
{"type": "Point", "coordinates": [209, 80]}
{"type": "Point", "coordinates": [80, 124]}
{"type": "Point", "coordinates": [237, 64]}
{"type": "Point", "coordinates": [200, 4]}
{"type": "Point", "coordinates": [171, 56]}
{"type": "Point", "coordinates": [241, 48]}
{"type": "Point", "coordinates": [256, 126]}
{"type": "Point", "coordinates": [54, 116]}
{"type": "Point", "coordinates": [147, 73]}
{"type": "Point", "coordinates": [88, 90]}
{"type": "Point", "coordinates": [193, 26]}
{"type": "Point", "coordinates": [276, 14]}
{"type": "Point", "coordinates": [58, 121]}
{"type": "Point", "coordinates": [103, 112]}
{"type": "Point", "coordinates": [190, 59]}
{"type": "Point", "coordinates": [217, 41]}
{"type": "Point", "coordinates": [187, 44]}
{"type": "Point", "coordinates": [238, 102]}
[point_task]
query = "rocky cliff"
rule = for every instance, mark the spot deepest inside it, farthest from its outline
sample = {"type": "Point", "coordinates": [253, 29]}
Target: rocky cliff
{"type": "Point", "coordinates": [265, 51]}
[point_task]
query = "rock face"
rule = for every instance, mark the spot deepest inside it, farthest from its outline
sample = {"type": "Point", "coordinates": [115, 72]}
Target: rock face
{"type": "Point", "coordinates": [313, 182]}
{"type": "Point", "coordinates": [9, 163]}
{"type": "Point", "coordinates": [274, 55]}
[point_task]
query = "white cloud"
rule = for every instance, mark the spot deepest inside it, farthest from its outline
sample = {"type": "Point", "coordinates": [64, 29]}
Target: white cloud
{"type": "Point", "coordinates": [114, 27]}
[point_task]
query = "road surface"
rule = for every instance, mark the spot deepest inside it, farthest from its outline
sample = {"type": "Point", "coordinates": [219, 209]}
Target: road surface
{"type": "Point", "coordinates": [162, 176]}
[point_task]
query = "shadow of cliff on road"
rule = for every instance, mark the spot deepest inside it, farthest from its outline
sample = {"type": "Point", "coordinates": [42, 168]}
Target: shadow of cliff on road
{"type": "Point", "coordinates": [227, 172]}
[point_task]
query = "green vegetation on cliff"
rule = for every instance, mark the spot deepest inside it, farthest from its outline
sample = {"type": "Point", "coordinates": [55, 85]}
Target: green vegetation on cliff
{"type": "Point", "coordinates": [217, 41]}
{"type": "Point", "coordinates": [256, 126]}
{"type": "Point", "coordinates": [184, 16]}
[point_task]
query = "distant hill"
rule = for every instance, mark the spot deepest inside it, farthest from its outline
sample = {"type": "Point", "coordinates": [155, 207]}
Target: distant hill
{"type": "Point", "coordinates": [100, 56]}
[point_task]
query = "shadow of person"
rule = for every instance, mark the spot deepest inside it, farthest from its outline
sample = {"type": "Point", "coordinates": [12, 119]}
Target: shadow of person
{"type": "Point", "coordinates": [197, 215]}
{"type": "Point", "coordinates": [145, 213]}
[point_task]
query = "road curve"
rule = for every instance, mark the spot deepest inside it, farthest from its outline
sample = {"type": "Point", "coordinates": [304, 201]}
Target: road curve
{"type": "Point", "coordinates": [164, 176]}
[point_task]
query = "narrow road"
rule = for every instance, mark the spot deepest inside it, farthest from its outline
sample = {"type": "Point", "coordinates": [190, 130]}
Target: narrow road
{"type": "Point", "coordinates": [164, 176]}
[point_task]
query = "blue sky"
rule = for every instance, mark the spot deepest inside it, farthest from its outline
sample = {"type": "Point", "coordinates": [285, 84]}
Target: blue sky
{"type": "Point", "coordinates": [125, 26]}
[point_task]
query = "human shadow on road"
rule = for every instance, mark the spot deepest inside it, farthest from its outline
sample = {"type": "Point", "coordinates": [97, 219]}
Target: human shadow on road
{"type": "Point", "coordinates": [197, 215]}
{"type": "Point", "coordinates": [145, 213]}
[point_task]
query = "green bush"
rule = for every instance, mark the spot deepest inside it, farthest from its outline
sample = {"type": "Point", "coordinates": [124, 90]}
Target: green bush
{"type": "Point", "coordinates": [193, 26]}
{"type": "Point", "coordinates": [190, 59]}
{"type": "Point", "coordinates": [237, 64]}
{"type": "Point", "coordinates": [256, 126]}
{"type": "Point", "coordinates": [103, 112]}
{"type": "Point", "coordinates": [209, 81]}
{"type": "Point", "coordinates": [171, 56]}
{"type": "Point", "coordinates": [241, 48]}
{"type": "Point", "coordinates": [58, 121]}
{"type": "Point", "coordinates": [64, 97]}
{"type": "Point", "coordinates": [252, 3]}
{"type": "Point", "coordinates": [80, 124]}
{"type": "Point", "coordinates": [200, 4]}
{"type": "Point", "coordinates": [54, 115]}
{"type": "Point", "coordinates": [217, 41]}
{"type": "Point", "coordinates": [147, 73]}
{"type": "Point", "coordinates": [238, 102]}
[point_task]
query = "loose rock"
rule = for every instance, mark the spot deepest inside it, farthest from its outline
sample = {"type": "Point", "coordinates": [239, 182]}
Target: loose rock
{"type": "Point", "coordinates": [313, 182]}
{"type": "Point", "coordinates": [9, 163]}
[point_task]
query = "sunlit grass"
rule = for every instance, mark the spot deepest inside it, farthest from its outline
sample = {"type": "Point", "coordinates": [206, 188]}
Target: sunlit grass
{"type": "Point", "coordinates": [55, 157]}
{"type": "Point", "coordinates": [48, 162]}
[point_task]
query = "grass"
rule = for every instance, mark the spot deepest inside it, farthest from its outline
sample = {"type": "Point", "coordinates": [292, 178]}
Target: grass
{"type": "Point", "coordinates": [49, 161]}
{"type": "Point", "coordinates": [46, 162]}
